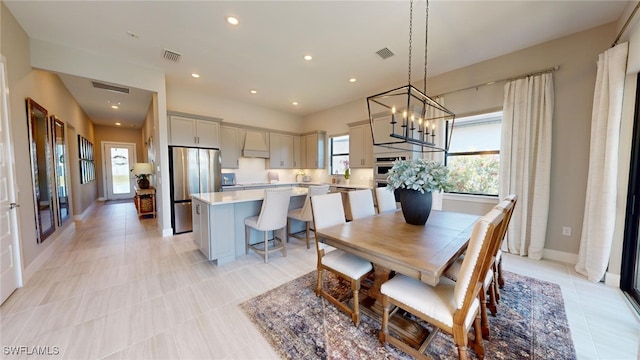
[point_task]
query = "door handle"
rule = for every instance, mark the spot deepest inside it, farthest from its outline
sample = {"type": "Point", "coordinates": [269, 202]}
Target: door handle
{"type": "Point", "coordinates": [13, 206]}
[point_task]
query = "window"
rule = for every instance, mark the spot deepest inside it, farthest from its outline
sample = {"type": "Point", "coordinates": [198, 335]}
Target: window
{"type": "Point", "coordinates": [339, 147]}
{"type": "Point", "coordinates": [474, 154]}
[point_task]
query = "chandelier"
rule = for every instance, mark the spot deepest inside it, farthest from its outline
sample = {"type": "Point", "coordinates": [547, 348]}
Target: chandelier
{"type": "Point", "coordinates": [406, 118]}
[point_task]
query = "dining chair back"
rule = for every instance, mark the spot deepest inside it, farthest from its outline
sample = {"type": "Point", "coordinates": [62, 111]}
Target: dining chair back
{"type": "Point", "coordinates": [513, 198]}
{"type": "Point", "coordinates": [361, 203]}
{"type": "Point", "coordinates": [450, 306]}
{"type": "Point", "coordinates": [386, 200]}
{"type": "Point", "coordinates": [327, 211]}
{"type": "Point", "coordinates": [272, 217]}
{"type": "Point", "coordinates": [491, 272]}
{"type": "Point", "coordinates": [304, 214]}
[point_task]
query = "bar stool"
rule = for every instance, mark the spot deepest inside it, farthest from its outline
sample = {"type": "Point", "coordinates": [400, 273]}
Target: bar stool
{"type": "Point", "coordinates": [273, 217]}
{"type": "Point", "coordinates": [304, 213]}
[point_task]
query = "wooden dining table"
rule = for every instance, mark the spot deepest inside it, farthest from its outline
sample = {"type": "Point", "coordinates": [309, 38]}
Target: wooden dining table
{"type": "Point", "coordinates": [393, 245]}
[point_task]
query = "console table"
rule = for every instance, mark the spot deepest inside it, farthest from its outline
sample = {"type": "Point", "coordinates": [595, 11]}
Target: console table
{"type": "Point", "coordinates": [145, 201]}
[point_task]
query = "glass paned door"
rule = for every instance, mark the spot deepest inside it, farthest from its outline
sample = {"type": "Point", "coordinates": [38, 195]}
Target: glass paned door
{"type": "Point", "coordinates": [630, 275]}
{"type": "Point", "coordinates": [119, 162]}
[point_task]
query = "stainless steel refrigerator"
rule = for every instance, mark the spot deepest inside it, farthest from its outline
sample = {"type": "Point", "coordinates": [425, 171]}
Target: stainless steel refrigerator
{"type": "Point", "coordinates": [193, 171]}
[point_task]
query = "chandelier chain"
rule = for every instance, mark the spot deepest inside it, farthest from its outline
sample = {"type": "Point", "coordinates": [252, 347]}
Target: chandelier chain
{"type": "Point", "coordinates": [410, 35]}
{"type": "Point", "coordinates": [426, 40]}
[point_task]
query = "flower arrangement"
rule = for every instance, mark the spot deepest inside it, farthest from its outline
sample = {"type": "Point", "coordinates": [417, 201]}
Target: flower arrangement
{"type": "Point", "coordinates": [347, 171]}
{"type": "Point", "coordinates": [419, 174]}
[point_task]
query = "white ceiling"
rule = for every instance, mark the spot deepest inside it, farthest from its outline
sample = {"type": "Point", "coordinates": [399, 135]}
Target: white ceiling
{"type": "Point", "coordinates": [265, 51]}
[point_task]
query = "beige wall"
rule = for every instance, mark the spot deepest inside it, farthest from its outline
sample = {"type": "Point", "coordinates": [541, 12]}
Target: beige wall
{"type": "Point", "coordinates": [574, 85]}
{"type": "Point", "coordinates": [115, 134]}
{"type": "Point", "coordinates": [47, 90]}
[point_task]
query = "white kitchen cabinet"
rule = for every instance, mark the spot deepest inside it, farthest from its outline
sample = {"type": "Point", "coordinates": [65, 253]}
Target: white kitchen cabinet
{"type": "Point", "coordinates": [216, 242]}
{"type": "Point", "coordinates": [313, 147]}
{"type": "Point", "coordinates": [200, 211]}
{"type": "Point", "coordinates": [297, 153]}
{"type": "Point", "coordinates": [360, 147]}
{"type": "Point", "coordinates": [192, 130]}
{"type": "Point", "coordinates": [280, 151]}
{"type": "Point", "coordinates": [230, 147]}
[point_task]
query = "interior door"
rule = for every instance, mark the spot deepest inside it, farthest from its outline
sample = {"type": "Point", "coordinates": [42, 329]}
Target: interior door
{"type": "Point", "coordinates": [10, 270]}
{"type": "Point", "coordinates": [119, 159]}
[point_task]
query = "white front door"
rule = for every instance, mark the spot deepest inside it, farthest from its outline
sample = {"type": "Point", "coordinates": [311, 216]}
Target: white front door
{"type": "Point", "coordinates": [10, 269]}
{"type": "Point", "coordinates": [119, 159]}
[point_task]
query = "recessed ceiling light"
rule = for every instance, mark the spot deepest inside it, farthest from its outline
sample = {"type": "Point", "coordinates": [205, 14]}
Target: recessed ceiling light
{"type": "Point", "coordinates": [118, 124]}
{"type": "Point", "coordinates": [352, 80]}
{"type": "Point", "coordinates": [233, 20]}
{"type": "Point", "coordinates": [295, 103]}
{"type": "Point", "coordinates": [253, 91]}
{"type": "Point", "coordinates": [114, 106]}
{"type": "Point", "coordinates": [308, 57]}
{"type": "Point", "coordinates": [194, 75]}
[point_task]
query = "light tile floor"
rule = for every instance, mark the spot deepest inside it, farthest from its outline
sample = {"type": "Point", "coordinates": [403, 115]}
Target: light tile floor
{"type": "Point", "coordinates": [117, 289]}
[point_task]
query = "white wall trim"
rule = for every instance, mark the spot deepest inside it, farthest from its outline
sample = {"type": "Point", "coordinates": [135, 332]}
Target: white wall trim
{"type": "Point", "coordinates": [611, 279]}
{"type": "Point", "coordinates": [561, 256]}
{"type": "Point", "coordinates": [45, 255]}
{"type": "Point", "coordinates": [85, 213]}
{"type": "Point", "coordinates": [167, 232]}
{"type": "Point", "coordinates": [102, 198]}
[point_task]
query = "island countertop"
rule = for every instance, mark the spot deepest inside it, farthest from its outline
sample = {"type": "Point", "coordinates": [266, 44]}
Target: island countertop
{"type": "Point", "coordinates": [230, 197]}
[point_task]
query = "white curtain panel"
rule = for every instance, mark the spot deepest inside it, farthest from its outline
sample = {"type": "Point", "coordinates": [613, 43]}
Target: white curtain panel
{"type": "Point", "coordinates": [525, 161]}
{"type": "Point", "coordinates": [600, 201]}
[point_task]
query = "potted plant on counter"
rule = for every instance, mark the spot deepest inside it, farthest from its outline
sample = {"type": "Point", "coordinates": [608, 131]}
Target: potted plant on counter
{"type": "Point", "coordinates": [414, 181]}
{"type": "Point", "coordinates": [347, 171]}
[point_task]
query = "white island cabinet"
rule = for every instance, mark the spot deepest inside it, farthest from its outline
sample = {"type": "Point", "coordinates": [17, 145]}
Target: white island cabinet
{"type": "Point", "coordinates": [218, 221]}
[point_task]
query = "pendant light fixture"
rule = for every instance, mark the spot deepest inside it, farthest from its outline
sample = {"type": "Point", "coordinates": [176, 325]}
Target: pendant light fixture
{"type": "Point", "coordinates": [406, 118]}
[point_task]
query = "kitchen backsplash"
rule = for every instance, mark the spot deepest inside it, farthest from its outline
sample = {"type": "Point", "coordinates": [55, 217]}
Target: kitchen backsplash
{"type": "Point", "coordinates": [254, 170]}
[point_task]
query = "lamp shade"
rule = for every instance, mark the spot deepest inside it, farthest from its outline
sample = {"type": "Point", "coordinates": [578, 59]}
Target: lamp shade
{"type": "Point", "coordinates": [142, 169]}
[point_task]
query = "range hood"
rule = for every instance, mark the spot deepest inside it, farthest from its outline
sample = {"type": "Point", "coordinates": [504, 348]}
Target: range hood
{"type": "Point", "coordinates": [255, 145]}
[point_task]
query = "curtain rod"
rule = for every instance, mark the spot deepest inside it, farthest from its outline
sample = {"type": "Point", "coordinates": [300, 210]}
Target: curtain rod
{"type": "Point", "coordinates": [624, 27]}
{"type": "Point", "coordinates": [501, 80]}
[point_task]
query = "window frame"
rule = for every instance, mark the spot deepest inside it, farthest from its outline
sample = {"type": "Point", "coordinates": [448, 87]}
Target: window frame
{"type": "Point", "coordinates": [332, 154]}
{"type": "Point", "coordinates": [476, 153]}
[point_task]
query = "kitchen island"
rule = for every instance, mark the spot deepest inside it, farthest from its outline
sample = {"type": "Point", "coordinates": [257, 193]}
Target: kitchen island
{"type": "Point", "coordinates": [218, 221]}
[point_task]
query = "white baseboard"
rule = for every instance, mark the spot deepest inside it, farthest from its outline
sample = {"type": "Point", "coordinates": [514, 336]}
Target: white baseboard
{"type": "Point", "coordinates": [102, 199]}
{"type": "Point", "coordinates": [45, 255]}
{"type": "Point", "coordinates": [84, 213]}
{"type": "Point", "coordinates": [611, 279]}
{"type": "Point", "coordinates": [561, 256]}
{"type": "Point", "coordinates": [167, 232]}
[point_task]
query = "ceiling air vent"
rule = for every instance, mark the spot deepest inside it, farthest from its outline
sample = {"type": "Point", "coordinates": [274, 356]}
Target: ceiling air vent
{"type": "Point", "coordinates": [385, 53]}
{"type": "Point", "coordinates": [103, 86]}
{"type": "Point", "coordinates": [171, 55]}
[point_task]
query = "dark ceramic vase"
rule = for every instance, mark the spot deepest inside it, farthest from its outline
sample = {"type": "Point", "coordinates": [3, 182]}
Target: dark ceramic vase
{"type": "Point", "coordinates": [416, 207]}
{"type": "Point", "coordinates": [143, 183]}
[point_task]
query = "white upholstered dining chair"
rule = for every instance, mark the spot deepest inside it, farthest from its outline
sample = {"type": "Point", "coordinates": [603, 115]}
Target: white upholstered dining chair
{"type": "Point", "coordinates": [328, 211]}
{"type": "Point", "coordinates": [386, 200]}
{"type": "Point", "coordinates": [450, 306]}
{"type": "Point", "coordinates": [273, 217]}
{"type": "Point", "coordinates": [304, 214]}
{"type": "Point", "coordinates": [361, 203]}
{"type": "Point", "coordinates": [490, 281]}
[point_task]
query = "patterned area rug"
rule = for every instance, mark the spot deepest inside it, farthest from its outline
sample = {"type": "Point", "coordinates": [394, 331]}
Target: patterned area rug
{"type": "Point", "coordinates": [531, 324]}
